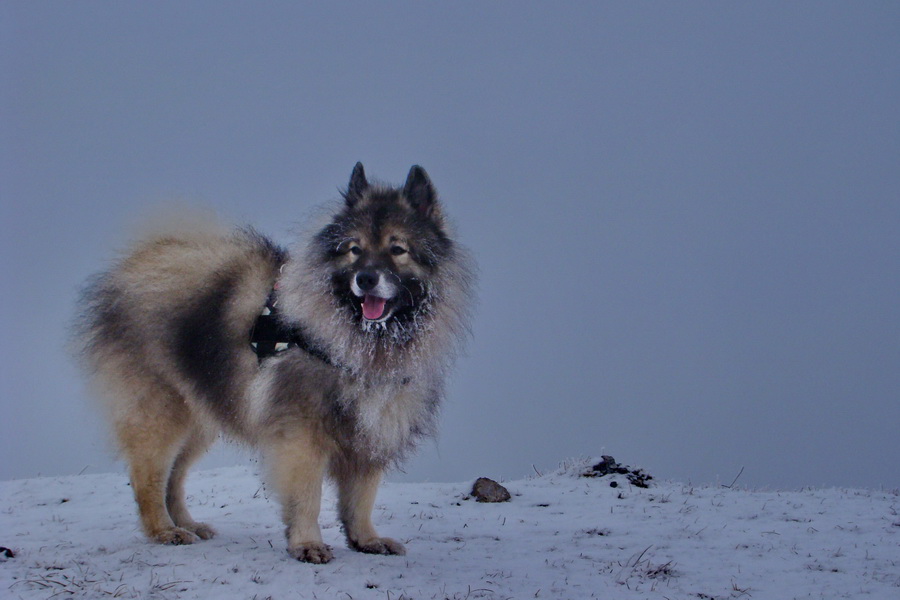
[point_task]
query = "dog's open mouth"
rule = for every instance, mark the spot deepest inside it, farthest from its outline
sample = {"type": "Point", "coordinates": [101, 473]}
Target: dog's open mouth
{"type": "Point", "coordinates": [374, 308]}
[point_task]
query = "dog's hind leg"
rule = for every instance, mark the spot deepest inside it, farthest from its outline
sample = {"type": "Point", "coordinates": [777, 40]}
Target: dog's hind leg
{"type": "Point", "coordinates": [197, 442]}
{"type": "Point", "coordinates": [153, 423]}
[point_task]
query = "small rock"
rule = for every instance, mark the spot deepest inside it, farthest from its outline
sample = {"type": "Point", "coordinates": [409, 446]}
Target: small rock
{"type": "Point", "coordinates": [6, 553]}
{"type": "Point", "coordinates": [638, 478]}
{"type": "Point", "coordinates": [488, 490]}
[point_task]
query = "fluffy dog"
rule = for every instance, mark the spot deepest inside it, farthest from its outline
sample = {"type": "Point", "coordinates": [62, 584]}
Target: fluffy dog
{"type": "Point", "coordinates": [330, 358]}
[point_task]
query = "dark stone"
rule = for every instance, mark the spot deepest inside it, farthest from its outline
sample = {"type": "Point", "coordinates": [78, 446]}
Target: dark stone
{"type": "Point", "coordinates": [488, 490]}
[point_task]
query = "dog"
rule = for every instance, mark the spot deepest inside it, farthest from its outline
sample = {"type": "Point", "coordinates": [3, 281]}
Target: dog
{"type": "Point", "coordinates": [330, 358]}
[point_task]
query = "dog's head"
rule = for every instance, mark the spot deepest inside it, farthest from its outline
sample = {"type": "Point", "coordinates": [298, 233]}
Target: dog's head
{"type": "Point", "coordinates": [383, 249]}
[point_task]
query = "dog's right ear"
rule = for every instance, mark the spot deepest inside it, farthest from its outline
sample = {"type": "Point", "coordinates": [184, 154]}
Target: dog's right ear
{"type": "Point", "coordinates": [358, 185]}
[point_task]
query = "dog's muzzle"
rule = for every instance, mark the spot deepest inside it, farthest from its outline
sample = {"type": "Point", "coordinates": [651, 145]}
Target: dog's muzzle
{"type": "Point", "coordinates": [375, 292]}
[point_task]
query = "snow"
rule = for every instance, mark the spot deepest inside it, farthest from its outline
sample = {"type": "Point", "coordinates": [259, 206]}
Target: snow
{"type": "Point", "coordinates": [561, 536]}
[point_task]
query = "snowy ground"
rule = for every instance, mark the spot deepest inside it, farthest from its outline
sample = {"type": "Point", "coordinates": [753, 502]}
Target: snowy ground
{"type": "Point", "coordinates": [561, 536]}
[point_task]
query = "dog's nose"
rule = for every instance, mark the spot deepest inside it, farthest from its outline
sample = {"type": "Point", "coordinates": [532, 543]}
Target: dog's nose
{"type": "Point", "coordinates": [367, 280]}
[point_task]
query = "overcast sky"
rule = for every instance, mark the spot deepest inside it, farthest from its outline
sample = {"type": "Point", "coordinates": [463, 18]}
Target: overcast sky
{"type": "Point", "coordinates": [686, 215]}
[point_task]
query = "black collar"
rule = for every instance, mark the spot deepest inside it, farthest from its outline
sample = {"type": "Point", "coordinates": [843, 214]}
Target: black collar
{"type": "Point", "coordinates": [270, 337]}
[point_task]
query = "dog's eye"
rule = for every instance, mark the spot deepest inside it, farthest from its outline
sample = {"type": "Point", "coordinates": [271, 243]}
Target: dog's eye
{"type": "Point", "coordinates": [355, 250]}
{"type": "Point", "coordinates": [398, 250]}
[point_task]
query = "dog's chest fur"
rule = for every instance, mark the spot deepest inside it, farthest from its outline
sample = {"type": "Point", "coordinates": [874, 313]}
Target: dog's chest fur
{"type": "Point", "coordinates": [387, 417]}
{"type": "Point", "coordinates": [376, 419]}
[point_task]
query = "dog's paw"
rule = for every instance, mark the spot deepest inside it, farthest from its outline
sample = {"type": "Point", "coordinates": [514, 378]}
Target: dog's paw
{"type": "Point", "coordinates": [312, 552]}
{"type": "Point", "coordinates": [379, 546]}
{"type": "Point", "coordinates": [176, 536]}
{"type": "Point", "coordinates": [202, 530]}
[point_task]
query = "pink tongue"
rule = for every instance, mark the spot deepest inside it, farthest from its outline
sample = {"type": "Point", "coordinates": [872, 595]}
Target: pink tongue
{"type": "Point", "coordinates": [373, 307]}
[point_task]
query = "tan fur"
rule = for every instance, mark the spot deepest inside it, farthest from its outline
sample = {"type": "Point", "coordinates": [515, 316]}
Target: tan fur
{"type": "Point", "coordinates": [166, 331]}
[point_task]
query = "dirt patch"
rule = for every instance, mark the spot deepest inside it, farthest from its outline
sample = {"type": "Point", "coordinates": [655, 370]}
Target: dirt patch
{"type": "Point", "coordinates": [609, 466]}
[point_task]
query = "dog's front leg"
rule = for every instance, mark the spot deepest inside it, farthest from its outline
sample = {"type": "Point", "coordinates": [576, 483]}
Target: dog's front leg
{"type": "Point", "coordinates": [298, 468]}
{"type": "Point", "coordinates": [357, 487]}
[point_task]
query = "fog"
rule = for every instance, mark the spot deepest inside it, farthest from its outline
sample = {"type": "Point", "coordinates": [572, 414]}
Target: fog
{"type": "Point", "coordinates": [685, 215]}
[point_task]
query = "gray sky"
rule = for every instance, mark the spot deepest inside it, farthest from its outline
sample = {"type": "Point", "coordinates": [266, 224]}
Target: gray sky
{"type": "Point", "coordinates": [686, 214]}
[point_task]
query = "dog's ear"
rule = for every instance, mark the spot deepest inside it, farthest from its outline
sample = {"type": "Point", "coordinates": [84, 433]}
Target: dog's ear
{"type": "Point", "coordinates": [358, 185]}
{"type": "Point", "coordinates": [419, 191]}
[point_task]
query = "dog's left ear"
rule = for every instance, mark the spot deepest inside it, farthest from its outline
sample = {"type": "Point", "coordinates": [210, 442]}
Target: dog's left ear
{"type": "Point", "coordinates": [419, 191]}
